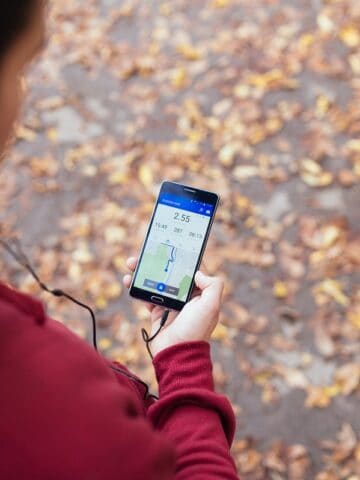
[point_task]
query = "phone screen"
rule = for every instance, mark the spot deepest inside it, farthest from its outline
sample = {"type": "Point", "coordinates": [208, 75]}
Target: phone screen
{"type": "Point", "coordinates": [173, 245]}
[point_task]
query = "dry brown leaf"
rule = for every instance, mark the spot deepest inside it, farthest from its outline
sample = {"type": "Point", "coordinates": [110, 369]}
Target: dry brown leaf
{"type": "Point", "coordinates": [317, 397]}
{"type": "Point", "coordinates": [332, 289]}
{"type": "Point", "coordinates": [294, 377]}
{"type": "Point", "coordinates": [189, 52]}
{"type": "Point", "coordinates": [324, 342]}
{"type": "Point", "coordinates": [313, 174]}
{"type": "Point", "coordinates": [347, 377]}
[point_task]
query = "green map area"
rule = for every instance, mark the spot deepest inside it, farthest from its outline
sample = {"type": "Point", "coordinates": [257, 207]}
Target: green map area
{"type": "Point", "coordinates": [153, 268]}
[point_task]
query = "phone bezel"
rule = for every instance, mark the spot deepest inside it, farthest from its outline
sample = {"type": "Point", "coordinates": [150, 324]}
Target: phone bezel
{"type": "Point", "coordinates": [193, 193]}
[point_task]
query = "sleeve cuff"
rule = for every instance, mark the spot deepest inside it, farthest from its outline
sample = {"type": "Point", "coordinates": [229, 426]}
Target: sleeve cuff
{"type": "Point", "coordinates": [184, 365]}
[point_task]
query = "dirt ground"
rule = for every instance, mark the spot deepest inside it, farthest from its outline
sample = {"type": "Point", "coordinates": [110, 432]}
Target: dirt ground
{"type": "Point", "coordinates": [259, 101]}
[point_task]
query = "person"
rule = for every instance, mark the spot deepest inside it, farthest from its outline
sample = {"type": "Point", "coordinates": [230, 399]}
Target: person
{"type": "Point", "coordinates": [64, 413]}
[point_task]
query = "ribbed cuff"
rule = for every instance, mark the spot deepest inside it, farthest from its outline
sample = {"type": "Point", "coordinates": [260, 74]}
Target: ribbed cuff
{"type": "Point", "coordinates": [184, 365]}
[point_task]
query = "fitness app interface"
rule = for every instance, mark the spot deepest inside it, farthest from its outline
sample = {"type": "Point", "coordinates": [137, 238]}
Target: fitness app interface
{"type": "Point", "coordinates": [173, 246]}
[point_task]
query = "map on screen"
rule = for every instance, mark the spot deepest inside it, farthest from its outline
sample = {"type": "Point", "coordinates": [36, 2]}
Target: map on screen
{"type": "Point", "coordinates": [173, 246]}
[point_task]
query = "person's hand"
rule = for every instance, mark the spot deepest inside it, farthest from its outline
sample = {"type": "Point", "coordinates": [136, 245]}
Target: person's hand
{"type": "Point", "coordinates": [196, 321]}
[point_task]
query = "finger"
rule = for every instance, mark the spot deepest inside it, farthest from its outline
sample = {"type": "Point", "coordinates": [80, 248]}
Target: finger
{"type": "Point", "coordinates": [131, 263]}
{"type": "Point", "coordinates": [156, 312]}
{"type": "Point", "coordinates": [203, 268]}
{"type": "Point", "coordinates": [149, 306]}
{"type": "Point", "coordinates": [127, 280]}
{"type": "Point", "coordinates": [211, 287]}
{"type": "Point", "coordinates": [195, 292]}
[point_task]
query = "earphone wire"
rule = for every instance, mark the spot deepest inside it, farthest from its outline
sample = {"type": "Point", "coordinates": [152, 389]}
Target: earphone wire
{"type": "Point", "coordinates": [23, 260]}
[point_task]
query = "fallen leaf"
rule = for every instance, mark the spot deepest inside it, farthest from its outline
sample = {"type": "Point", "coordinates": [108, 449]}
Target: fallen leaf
{"type": "Point", "coordinates": [189, 52]}
{"type": "Point", "coordinates": [350, 35]}
{"type": "Point", "coordinates": [348, 377]}
{"type": "Point", "coordinates": [280, 289]}
{"type": "Point", "coordinates": [331, 289]}
{"type": "Point", "coordinates": [317, 397]}
{"type": "Point", "coordinates": [105, 343]}
{"type": "Point", "coordinates": [324, 342]}
{"type": "Point", "coordinates": [146, 175]}
{"type": "Point", "coordinates": [243, 172]}
{"type": "Point", "coordinates": [294, 377]}
{"type": "Point", "coordinates": [227, 154]}
{"type": "Point", "coordinates": [179, 77]}
{"type": "Point", "coordinates": [313, 175]}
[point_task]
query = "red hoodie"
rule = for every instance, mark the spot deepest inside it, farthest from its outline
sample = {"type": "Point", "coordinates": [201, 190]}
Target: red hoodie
{"type": "Point", "coordinates": [64, 414]}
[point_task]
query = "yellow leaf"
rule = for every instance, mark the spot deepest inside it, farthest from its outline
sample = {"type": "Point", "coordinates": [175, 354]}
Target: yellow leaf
{"type": "Point", "coordinates": [272, 79]}
{"type": "Point", "coordinates": [179, 77]}
{"type": "Point", "coordinates": [313, 175]}
{"type": "Point", "coordinates": [105, 343]}
{"type": "Point", "coordinates": [332, 390]}
{"type": "Point", "coordinates": [101, 302]}
{"type": "Point", "coordinates": [119, 262]}
{"type": "Point", "coordinates": [24, 133]}
{"type": "Point", "coordinates": [220, 332]}
{"type": "Point", "coordinates": [317, 397]}
{"type": "Point", "coordinates": [323, 179]}
{"type": "Point", "coordinates": [242, 90]}
{"type": "Point", "coordinates": [227, 154]}
{"type": "Point", "coordinates": [189, 52]}
{"type": "Point", "coordinates": [332, 289]}
{"type": "Point", "coordinates": [354, 318]}
{"type": "Point", "coordinates": [114, 234]}
{"type": "Point", "coordinates": [113, 290]}
{"type": "Point", "coordinates": [306, 40]}
{"type": "Point", "coordinates": [350, 36]}
{"type": "Point", "coordinates": [220, 3]}
{"type": "Point", "coordinates": [347, 377]}
{"type": "Point", "coordinates": [146, 175]}
{"type": "Point", "coordinates": [82, 254]}
{"type": "Point", "coordinates": [310, 166]}
{"type": "Point", "coordinates": [353, 145]}
{"type": "Point", "coordinates": [322, 105]}
{"type": "Point", "coordinates": [117, 178]}
{"type": "Point", "coordinates": [280, 290]}
{"type": "Point", "coordinates": [263, 377]}
{"type": "Point", "coordinates": [52, 134]}
{"type": "Point", "coordinates": [354, 61]}
{"type": "Point", "coordinates": [242, 202]}
{"type": "Point", "coordinates": [74, 271]}
{"type": "Point", "coordinates": [330, 234]}
{"type": "Point", "coordinates": [273, 125]}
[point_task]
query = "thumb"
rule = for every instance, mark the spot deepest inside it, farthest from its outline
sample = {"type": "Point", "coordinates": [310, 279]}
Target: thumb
{"type": "Point", "coordinates": [211, 287]}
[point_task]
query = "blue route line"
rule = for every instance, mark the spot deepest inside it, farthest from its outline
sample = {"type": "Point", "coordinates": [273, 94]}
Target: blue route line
{"type": "Point", "coordinates": [172, 256]}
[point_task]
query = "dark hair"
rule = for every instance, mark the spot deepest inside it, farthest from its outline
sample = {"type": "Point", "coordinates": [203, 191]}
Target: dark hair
{"type": "Point", "coordinates": [14, 18]}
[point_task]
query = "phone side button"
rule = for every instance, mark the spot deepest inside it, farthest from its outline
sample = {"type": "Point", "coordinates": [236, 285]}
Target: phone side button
{"type": "Point", "coordinates": [154, 298]}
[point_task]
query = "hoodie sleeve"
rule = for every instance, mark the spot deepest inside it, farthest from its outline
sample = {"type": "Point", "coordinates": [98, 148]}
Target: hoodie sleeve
{"type": "Point", "coordinates": [198, 421]}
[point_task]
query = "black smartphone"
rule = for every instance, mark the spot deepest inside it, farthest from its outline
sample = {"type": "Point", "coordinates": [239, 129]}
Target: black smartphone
{"type": "Point", "coordinates": [174, 245]}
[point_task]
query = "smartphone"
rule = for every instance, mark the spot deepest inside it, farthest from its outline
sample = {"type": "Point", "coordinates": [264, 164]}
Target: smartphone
{"type": "Point", "coordinates": [174, 245]}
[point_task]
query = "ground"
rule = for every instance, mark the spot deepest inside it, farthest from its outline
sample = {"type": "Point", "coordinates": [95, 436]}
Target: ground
{"type": "Point", "coordinates": [258, 102]}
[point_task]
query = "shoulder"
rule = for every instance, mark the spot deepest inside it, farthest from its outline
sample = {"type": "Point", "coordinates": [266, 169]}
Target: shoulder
{"type": "Point", "coordinates": [19, 305]}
